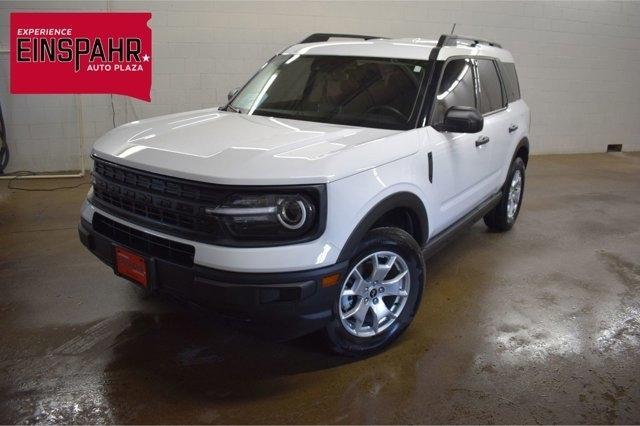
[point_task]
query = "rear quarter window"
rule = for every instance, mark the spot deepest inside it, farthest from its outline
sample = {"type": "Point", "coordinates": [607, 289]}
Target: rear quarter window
{"type": "Point", "coordinates": [511, 83]}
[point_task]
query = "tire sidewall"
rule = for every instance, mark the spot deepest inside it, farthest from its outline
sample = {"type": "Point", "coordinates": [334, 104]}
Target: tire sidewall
{"type": "Point", "coordinates": [381, 239]}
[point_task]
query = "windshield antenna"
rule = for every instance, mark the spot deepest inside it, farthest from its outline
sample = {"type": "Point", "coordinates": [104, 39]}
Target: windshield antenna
{"type": "Point", "coordinates": [453, 28]}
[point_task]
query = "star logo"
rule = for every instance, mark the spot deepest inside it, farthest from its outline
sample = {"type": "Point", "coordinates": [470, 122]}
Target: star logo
{"type": "Point", "coordinates": [146, 58]}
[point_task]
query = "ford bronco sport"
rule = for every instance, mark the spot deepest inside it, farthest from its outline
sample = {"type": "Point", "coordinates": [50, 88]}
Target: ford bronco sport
{"type": "Point", "coordinates": [312, 199]}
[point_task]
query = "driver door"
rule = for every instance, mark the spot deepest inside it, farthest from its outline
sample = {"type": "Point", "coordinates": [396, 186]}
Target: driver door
{"type": "Point", "coordinates": [461, 162]}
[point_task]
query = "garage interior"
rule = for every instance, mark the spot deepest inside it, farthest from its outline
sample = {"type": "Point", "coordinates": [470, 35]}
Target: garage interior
{"type": "Point", "coordinates": [537, 325]}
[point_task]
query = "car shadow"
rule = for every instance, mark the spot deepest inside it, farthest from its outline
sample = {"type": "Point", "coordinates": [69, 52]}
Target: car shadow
{"type": "Point", "coordinates": [190, 352]}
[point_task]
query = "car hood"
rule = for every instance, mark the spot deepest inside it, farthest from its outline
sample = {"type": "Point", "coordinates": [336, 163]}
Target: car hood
{"type": "Point", "coordinates": [228, 148]}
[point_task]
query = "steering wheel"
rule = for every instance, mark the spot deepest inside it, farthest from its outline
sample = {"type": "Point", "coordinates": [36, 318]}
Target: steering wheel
{"type": "Point", "coordinates": [395, 112]}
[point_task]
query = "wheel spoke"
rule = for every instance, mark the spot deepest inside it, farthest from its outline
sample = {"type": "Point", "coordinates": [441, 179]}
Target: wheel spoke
{"type": "Point", "coordinates": [393, 287]}
{"type": "Point", "coordinates": [380, 270]}
{"type": "Point", "coordinates": [359, 283]}
{"type": "Point", "coordinates": [359, 314]}
{"type": "Point", "coordinates": [380, 312]}
{"type": "Point", "coordinates": [353, 311]}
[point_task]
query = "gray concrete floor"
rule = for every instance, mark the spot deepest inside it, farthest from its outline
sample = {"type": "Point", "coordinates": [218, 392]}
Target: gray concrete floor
{"type": "Point", "coordinates": [538, 325]}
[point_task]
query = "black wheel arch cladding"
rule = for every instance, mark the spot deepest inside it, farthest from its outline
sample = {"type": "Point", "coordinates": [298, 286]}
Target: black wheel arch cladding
{"type": "Point", "coordinates": [523, 143]}
{"type": "Point", "coordinates": [406, 200]}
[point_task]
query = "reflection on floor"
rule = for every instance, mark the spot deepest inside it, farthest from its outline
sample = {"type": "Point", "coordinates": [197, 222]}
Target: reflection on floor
{"type": "Point", "coordinates": [539, 325]}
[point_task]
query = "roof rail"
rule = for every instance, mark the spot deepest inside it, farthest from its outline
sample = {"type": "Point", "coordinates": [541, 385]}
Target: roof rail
{"type": "Point", "coordinates": [320, 37]}
{"type": "Point", "coordinates": [452, 39]}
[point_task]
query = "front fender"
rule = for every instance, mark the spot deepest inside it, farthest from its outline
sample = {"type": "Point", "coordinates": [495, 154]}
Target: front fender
{"type": "Point", "coordinates": [356, 202]}
{"type": "Point", "coordinates": [397, 199]}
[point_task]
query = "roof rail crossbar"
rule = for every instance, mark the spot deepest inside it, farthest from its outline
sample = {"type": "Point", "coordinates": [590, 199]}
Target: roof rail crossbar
{"type": "Point", "coordinates": [320, 37]}
{"type": "Point", "coordinates": [452, 40]}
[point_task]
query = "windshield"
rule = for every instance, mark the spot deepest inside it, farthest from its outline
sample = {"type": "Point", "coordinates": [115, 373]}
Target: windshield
{"type": "Point", "coordinates": [368, 92]}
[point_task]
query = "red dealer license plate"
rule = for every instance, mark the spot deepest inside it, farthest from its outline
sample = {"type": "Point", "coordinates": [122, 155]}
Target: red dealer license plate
{"type": "Point", "coordinates": [131, 265]}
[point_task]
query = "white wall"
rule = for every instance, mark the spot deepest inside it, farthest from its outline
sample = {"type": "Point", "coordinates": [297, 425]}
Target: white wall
{"type": "Point", "coordinates": [579, 64]}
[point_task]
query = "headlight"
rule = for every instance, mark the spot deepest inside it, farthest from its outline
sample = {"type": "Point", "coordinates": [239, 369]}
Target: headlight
{"type": "Point", "coordinates": [268, 216]}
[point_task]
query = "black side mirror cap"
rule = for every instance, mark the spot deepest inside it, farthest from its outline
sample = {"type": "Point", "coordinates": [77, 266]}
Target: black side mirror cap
{"type": "Point", "coordinates": [461, 119]}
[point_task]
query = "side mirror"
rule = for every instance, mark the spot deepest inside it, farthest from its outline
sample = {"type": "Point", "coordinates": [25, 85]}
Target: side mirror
{"type": "Point", "coordinates": [461, 119]}
{"type": "Point", "coordinates": [232, 93]}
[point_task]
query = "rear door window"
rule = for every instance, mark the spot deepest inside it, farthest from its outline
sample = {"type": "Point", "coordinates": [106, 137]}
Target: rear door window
{"type": "Point", "coordinates": [456, 88]}
{"type": "Point", "coordinates": [491, 96]}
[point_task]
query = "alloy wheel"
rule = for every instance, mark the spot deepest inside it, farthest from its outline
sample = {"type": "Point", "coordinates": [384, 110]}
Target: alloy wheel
{"type": "Point", "coordinates": [515, 191]}
{"type": "Point", "coordinates": [374, 294]}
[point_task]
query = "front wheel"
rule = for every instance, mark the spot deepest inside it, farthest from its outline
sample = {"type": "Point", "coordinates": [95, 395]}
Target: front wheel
{"type": "Point", "coordinates": [504, 215]}
{"type": "Point", "coordinates": [380, 294]}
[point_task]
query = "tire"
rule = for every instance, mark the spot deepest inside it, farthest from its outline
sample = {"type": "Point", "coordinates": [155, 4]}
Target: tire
{"type": "Point", "coordinates": [349, 336]}
{"type": "Point", "coordinates": [499, 219]}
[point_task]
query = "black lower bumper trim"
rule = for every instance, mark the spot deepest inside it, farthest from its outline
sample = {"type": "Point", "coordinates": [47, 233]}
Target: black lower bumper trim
{"type": "Point", "coordinates": [287, 304]}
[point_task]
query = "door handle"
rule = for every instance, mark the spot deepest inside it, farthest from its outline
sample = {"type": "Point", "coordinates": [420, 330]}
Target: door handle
{"type": "Point", "coordinates": [513, 128]}
{"type": "Point", "coordinates": [482, 140]}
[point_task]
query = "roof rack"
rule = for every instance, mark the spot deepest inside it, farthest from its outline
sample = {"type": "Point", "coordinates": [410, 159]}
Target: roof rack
{"type": "Point", "coordinates": [452, 40]}
{"type": "Point", "coordinates": [320, 37]}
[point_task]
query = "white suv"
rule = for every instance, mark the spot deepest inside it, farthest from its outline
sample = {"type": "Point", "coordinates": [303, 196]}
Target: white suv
{"type": "Point", "coordinates": [312, 199]}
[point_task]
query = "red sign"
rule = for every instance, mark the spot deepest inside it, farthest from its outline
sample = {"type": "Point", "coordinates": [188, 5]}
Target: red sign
{"type": "Point", "coordinates": [81, 52]}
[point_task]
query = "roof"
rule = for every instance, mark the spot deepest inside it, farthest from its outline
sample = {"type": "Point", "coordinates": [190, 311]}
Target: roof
{"type": "Point", "coordinates": [401, 48]}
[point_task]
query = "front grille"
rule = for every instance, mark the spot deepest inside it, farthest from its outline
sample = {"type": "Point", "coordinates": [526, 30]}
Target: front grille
{"type": "Point", "coordinates": [175, 204]}
{"type": "Point", "coordinates": [171, 251]}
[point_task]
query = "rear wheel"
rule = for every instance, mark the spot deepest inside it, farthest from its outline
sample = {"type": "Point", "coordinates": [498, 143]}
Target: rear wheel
{"type": "Point", "coordinates": [380, 294]}
{"type": "Point", "coordinates": [504, 215]}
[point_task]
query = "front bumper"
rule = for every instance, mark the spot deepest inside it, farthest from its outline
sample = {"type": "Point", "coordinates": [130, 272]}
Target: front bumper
{"type": "Point", "coordinates": [286, 305]}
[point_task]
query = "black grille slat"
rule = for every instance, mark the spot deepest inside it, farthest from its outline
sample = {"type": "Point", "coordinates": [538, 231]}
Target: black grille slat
{"type": "Point", "coordinates": [168, 201]}
{"type": "Point", "coordinates": [165, 185]}
{"type": "Point", "coordinates": [171, 251]}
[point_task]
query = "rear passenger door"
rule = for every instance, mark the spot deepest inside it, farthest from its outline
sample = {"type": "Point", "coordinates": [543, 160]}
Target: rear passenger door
{"type": "Point", "coordinates": [493, 106]}
{"type": "Point", "coordinates": [518, 113]}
